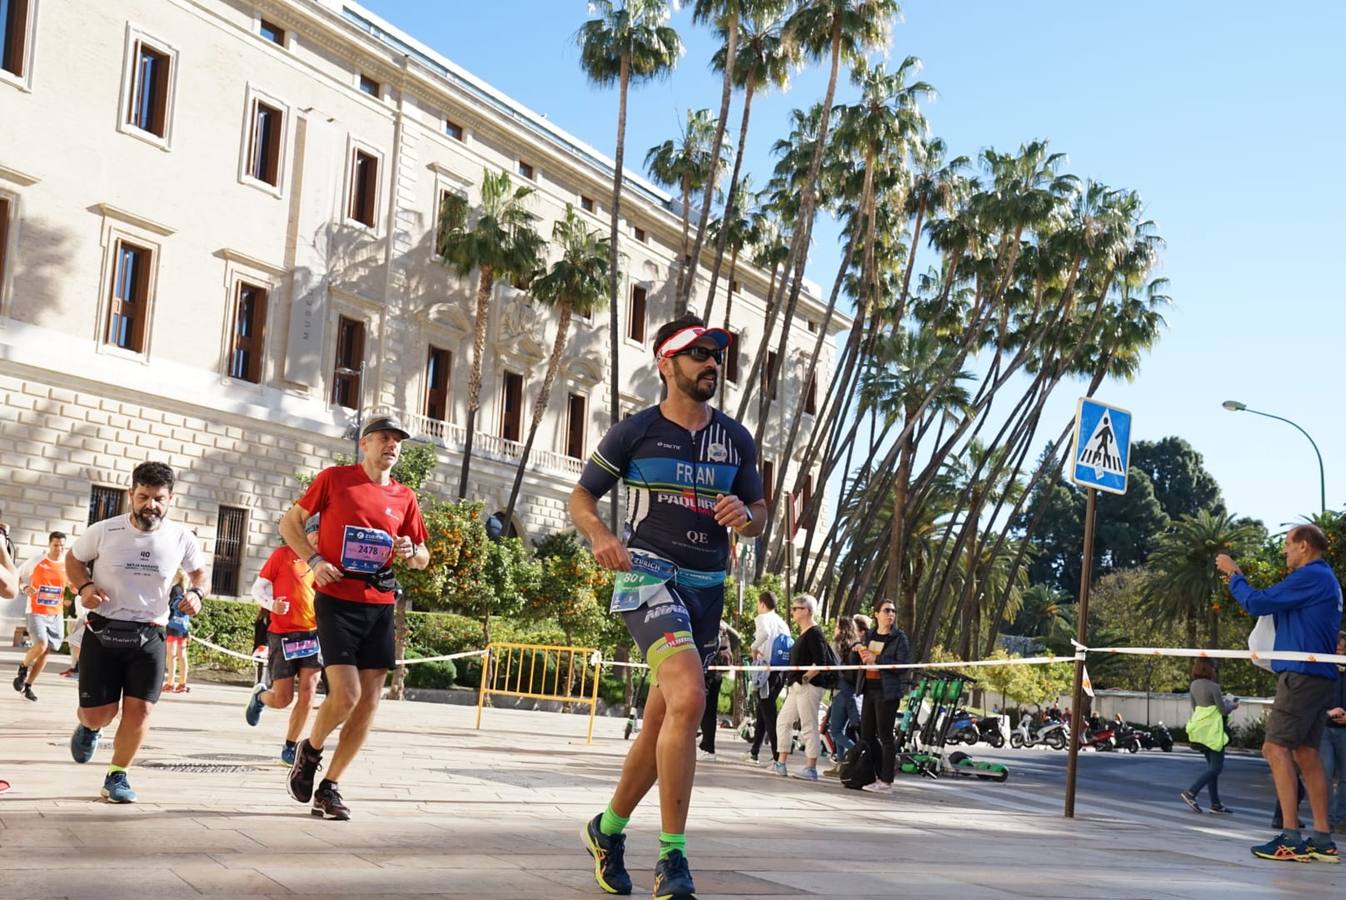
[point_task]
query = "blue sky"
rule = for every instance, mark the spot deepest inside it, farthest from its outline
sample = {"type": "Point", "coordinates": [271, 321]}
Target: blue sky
{"type": "Point", "coordinates": [1226, 117]}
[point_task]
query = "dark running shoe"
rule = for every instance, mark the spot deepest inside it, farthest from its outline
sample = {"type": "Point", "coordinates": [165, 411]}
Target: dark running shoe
{"type": "Point", "coordinates": [28, 692]}
{"type": "Point", "coordinates": [307, 762]}
{"type": "Point", "coordinates": [1186, 797]}
{"type": "Point", "coordinates": [609, 852]}
{"type": "Point", "coordinates": [252, 714]}
{"type": "Point", "coordinates": [1279, 848]}
{"type": "Point", "coordinates": [1221, 810]}
{"type": "Point", "coordinates": [327, 803]}
{"type": "Point", "coordinates": [116, 789]}
{"type": "Point", "coordinates": [672, 878]}
{"type": "Point", "coordinates": [287, 754]}
{"type": "Point", "coordinates": [21, 679]}
{"type": "Point", "coordinates": [1325, 851]}
{"type": "Point", "coordinates": [83, 743]}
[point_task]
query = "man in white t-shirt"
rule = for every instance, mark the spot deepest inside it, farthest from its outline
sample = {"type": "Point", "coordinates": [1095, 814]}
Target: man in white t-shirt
{"type": "Point", "coordinates": [134, 559]}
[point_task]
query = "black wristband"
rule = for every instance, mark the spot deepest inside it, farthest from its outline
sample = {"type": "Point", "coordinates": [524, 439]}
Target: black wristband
{"type": "Point", "coordinates": [310, 560]}
{"type": "Point", "coordinates": [80, 592]}
{"type": "Point", "coordinates": [197, 591]}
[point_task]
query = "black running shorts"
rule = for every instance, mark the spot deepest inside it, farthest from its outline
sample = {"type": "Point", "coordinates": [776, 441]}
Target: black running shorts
{"type": "Point", "coordinates": [108, 673]}
{"type": "Point", "coordinates": [277, 644]}
{"type": "Point", "coordinates": [1299, 713]}
{"type": "Point", "coordinates": [355, 634]}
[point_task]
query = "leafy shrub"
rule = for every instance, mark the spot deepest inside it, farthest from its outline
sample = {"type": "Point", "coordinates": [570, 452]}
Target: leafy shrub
{"type": "Point", "coordinates": [439, 674]}
{"type": "Point", "coordinates": [228, 623]}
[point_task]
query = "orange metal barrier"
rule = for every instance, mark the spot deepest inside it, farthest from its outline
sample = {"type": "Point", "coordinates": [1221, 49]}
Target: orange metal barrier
{"type": "Point", "coordinates": [541, 672]}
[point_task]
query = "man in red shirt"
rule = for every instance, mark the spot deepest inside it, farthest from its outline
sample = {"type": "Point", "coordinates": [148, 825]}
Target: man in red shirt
{"type": "Point", "coordinates": [284, 586]}
{"type": "Point", "coordinates": [42, 580]}
{"type": "Point", "coordinates": [368, 520]}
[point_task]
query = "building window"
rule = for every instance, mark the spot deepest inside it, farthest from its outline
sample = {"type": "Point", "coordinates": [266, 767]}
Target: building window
{"type": "Point", "coordinates": [268, 130]}
{"type": "Point", "coordinates": [731, 359]}
{"type": "Point", "coordinates": [230, 538]}
{"type": "Point", "coordinates": [526, 171]}
{"type": "Point", "coordinates": [635, 315]}
{"type": "Point", "coordinates": [130, 302]}
{"type": "Point", "coordinates": [768, 478]}
{"type": "Point", "coordinates": [105, 502]}
{"type": "Point", "coordinates": [364, 187]}
{"type": "Point", "coordinates": [769, 374]}
{"type": "Point", "coordinates": [245, 356]}
{"type": "Point", "coordinates": [812, 326]}
{"type": "Point", "coordinates": [149, 90]}
{"type": "Point", "coordinates": [4, 235]}
{"type": "Point", "coordinates": [511, 420]}
{"type": "Point", "coordinates": [806, 518]}
{"type": "Point", "coordinates": [577, 415]}
{"type": "Point", "coordinates": [349, 363]}
{"type": "Point", "coordinates": [639, 234]}
{"type": "Point", "coordinates": [370, 86]}
{"type": "Point", "coordinates": [453, 129]}
{"type": "Point", "coordinates": [811, 396]}
{"type": "Point", "coordinates": [271, 32]}
{"type": "Point", "coordinates": [14, 16]}
{"type": "Point", "coordinates": [437, 367]}
{"type": "Point", "coordinates": [450, 215]}
{"type": "Point", "coordinates": [587, 203]}
{"type": "Point", "coordinates": [733, 285]}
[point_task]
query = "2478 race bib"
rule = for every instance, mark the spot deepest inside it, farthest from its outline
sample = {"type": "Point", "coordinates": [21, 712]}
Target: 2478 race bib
{"type": "Point", "coordinates": [365, 550]}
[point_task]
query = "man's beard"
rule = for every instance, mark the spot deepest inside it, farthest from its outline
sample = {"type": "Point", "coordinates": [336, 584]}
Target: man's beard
{"type": "Point", "coordinates": [147, 520]}
{"type": "Point", "coordinates": [697, 389]}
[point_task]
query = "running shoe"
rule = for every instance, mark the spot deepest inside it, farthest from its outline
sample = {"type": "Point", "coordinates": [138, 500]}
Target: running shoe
{"type": "Point", "coordinates": [1221, 810]}
{"type": "Point", "coordinates": [83, 743]}
{"type": "Point", "coordinates": [327, 803]}
{"type": "Point", "coordinates": [1280, 848]}
{"type": "Point", "coordinates": [28, 692]}
{"type": "Point", "coordinates": [751, 760]}
{"type": "Point", "coordinates": [609, 853]}
{"type": "Point", "coordinates": [287, 755]}
{"type": "Point", "coordinates": [672, 878]}
{"type": "Point", "coordinates": [778, 768]}
{"type": "Point", "coordinates": [808, 773]}
{"type": "Point", "coordinates": [253, 712]}
{"type": "Point", "coordinates": [704, 756]}
{"type": "Point", "coordinates": [116, 789]}
{"type": "Point", "coordinates": [1321, 852]}
{"type": "Point", "coordinates": [307, 762]}
{"type": "Point", "coordinates": [1186, 797]}
{"type": "Point", "coordinates": [879, 787]}
{"type": "Point", "coordinates": [21, 679]}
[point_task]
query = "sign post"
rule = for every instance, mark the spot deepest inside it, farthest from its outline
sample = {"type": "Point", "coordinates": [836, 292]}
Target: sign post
{"type": "Point", "coordinates": [1099, 460]}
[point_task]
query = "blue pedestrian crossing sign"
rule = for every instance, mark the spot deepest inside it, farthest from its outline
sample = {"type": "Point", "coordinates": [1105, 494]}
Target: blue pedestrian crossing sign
{"type": "Point", "coordinates": [1102, 448]}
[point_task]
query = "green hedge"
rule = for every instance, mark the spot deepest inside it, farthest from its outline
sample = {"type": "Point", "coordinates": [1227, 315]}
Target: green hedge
{"type": "Point", "coordinates": [228, 623]}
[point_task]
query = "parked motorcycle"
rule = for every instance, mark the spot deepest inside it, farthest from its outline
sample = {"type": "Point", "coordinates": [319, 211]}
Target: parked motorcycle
{"type": "Point", "coordinates": [1157, 738]}
{"type": "Point", "coordinates": [963, 728]}
{"type": "Point", "coordinates": [1126, 738]}
{"type": "Point", "coordinates": [1053, 734]}
{"type": "Point", "coordinates": [988, 730]}
{"type": "Point", "coordinates": [1098, 735]}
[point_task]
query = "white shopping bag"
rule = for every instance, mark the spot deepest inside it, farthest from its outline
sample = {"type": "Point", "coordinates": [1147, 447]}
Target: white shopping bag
{"type": "Point", "coordinates": [1262, 639]}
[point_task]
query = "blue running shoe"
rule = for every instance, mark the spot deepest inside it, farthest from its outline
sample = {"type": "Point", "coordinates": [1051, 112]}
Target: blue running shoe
{"type": "Point", "coordinates": [287, 755]}
{"type": "Point", "coordinates": [253, 713]}
{"type": "Point", "coordinates": [83, 743]}
{"type": "Point", "coordinates": [778, 768]}
{"type": "Point", "coordinates": [609, 852]}
{"type": "Point", "coordinates": [1280, 848]}
{"type": "Point", "coordinates": [116, 789]}
{"type": "Point", "coordinates": [1325, 851]}
{"type": "Point", "coordinates": [672, 878]}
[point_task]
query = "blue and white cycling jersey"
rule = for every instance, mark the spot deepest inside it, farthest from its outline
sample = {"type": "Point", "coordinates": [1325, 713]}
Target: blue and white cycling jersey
{"type": "Point", "coordinates": [673, 477]}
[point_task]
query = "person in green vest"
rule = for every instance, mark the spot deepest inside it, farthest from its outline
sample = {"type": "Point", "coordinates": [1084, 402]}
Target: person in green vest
{"type": "Point", "coordinates": [1206, 731]}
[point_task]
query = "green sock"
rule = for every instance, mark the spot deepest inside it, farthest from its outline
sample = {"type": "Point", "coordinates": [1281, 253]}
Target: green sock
{"type": "Point", "coordinates": [114, 769]}
{"type": "Point", "coordinates": [670, 842]}
{"type": "Point", "coordinates": [611, 823]}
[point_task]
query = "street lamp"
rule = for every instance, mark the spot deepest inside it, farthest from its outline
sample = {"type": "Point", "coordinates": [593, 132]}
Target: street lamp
{"type": "Point", "coordinates": [1236, 406]}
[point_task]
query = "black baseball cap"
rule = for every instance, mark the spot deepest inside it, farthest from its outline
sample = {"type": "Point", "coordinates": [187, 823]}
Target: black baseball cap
{"type": "Point", "coordinates": [385, 423]}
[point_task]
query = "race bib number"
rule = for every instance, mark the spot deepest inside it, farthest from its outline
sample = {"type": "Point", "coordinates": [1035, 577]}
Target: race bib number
{"type": "Point", "coordinates": [646, 580]}
{"type": "Point", "coordinates": [365, 550]}
{"type": "Point", "coordinates": [49, 596]}
{"type": "Point", "coordinates": [299, 647]}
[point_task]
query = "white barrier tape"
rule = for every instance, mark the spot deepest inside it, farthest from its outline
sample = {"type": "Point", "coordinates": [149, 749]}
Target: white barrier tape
{"type": "Point", "coordinates": [256, 658]}
{"type": "Point", "coordinates": [1274, 655]}
{"type": "Point", "coordinates": [954, 664]}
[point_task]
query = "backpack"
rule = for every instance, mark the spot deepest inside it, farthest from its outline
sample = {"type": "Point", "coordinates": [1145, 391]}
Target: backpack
{"type": "Point", "coordinates": [827, 680]}
{"type": "Point", "coordinates": [857, 768]}
{"type": "Point", "coordinates": [780, 649]}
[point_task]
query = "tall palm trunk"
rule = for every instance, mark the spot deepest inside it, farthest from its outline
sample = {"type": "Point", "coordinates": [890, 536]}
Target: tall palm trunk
{"type": "Point", "coordinates": [683, 265]}
{"type": "Point", "coordinates": [728, 308]}
{"type": "Point", "coordinates": [485, 281]}
{"type": "Point", "coordinates": [614, 328]}
{"type": "Point", "coordinates": [731, 201]}
{"type": "Point", "coordinates": [730, 49]}
{"type": "Point", "coordinates": [894, 584]}
{"type": "Point", "coordinates": [542, 401]}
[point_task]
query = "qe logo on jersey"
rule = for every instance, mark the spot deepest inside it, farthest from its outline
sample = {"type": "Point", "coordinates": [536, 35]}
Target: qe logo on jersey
{"type": "Point", "coordinates": [698, 537]}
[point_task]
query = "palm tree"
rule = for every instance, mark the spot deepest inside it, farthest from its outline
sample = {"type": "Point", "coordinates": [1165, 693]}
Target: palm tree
{"type": "Point", "coordinates": [1183, 578]}
{"type": "Point", "coordinates": [627, 41]}
{"type": "Point", "coordinates": [1046, 613]}
{"type": "Point", "coordinates": [763, 59]}
{"type": "Point", "coordinates": [576, 283]}
{"type": "Point", "coordinates": [686, 165]}
{"type": "Point", "coordinates": [501, 244]}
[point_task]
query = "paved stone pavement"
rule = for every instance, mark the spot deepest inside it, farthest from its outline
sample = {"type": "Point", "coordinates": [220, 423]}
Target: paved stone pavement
{"type": "Point", "coordinates": [442, 810]}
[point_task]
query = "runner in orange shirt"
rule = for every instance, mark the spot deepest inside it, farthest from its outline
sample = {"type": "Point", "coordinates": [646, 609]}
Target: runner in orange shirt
{"type": "Point", "coordinates": [42, 579]}
{"type": "Point", "coordinates": [285, 587]}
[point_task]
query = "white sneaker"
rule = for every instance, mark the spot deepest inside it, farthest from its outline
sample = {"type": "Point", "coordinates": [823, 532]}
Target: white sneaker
{"type": "Point", "coordinates": [751, 760]}
{"type": "Point", "coordinates": [703, 756]}
{"type": "Point", "coordinates": [878, 787]}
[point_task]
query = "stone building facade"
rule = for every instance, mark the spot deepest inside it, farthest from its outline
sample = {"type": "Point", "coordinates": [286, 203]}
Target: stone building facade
{"type": "Point", "coordinates": [217, 223]}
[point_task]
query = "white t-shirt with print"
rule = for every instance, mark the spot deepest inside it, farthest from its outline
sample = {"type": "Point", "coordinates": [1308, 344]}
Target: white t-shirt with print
{"type": "Point", "coordinates": [136, 568]}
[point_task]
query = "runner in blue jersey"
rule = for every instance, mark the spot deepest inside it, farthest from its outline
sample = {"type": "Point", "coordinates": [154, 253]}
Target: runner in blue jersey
{"type": "Point", "coordinates": [691, 474]}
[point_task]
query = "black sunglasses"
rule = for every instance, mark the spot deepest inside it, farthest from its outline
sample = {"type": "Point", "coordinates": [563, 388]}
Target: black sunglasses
{"type": "Point", "coordinates": [888, 609]}
{"type": "Point", "coordinates": [701, 354]}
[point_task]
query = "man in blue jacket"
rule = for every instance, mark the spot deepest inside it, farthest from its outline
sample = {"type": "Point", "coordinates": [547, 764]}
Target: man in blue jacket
{"type": "Point", "coordinates": [1306, 608]}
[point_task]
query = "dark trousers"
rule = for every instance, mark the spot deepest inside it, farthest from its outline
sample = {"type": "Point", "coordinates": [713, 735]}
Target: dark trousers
{"type": "Point", "coordinates": [877, 719]}
{"type": "Point", "coordinates": [767, 711]}
{"type": "Point", "coordinates": [710, 722]}
{"type": "Point", "coordinates": [1210, 779]}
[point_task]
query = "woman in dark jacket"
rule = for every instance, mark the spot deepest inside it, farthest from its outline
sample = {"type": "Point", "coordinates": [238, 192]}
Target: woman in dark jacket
{"type": "Point", "coordinates": [881, 689]}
